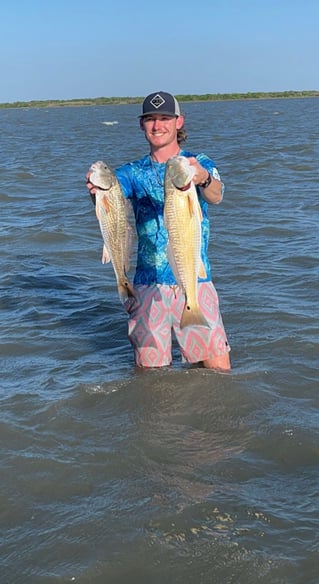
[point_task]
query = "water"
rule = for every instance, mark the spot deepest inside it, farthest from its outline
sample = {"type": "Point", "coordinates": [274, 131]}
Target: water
{"type": "Point", "coordinates": [113, 475]}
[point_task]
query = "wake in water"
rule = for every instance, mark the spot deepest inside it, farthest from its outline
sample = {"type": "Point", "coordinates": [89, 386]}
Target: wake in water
{"type": "Point", "coordinates": [110, 123]}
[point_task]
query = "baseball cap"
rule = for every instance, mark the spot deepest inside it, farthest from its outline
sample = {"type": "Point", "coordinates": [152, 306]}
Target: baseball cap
{"type": "Point", "coordinates": [160, 102]}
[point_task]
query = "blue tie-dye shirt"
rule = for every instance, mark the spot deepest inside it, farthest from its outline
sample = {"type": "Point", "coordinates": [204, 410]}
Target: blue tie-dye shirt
{"type": "Point", "coordinates": [142, 182]}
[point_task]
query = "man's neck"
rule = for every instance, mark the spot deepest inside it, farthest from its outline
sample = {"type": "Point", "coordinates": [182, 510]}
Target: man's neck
{"type": "Point", "coordinates": [164, 153]}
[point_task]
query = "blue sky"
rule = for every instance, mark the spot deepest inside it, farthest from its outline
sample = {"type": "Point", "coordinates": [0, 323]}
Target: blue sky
{"type": "Point", "coordinates": [74, 49]}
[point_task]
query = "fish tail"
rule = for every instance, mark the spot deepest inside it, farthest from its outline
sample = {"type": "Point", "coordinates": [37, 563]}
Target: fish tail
{"type": "Point", "coordinates": [192, 316]}
{"type": "Point", "coordinates": [126, 290]}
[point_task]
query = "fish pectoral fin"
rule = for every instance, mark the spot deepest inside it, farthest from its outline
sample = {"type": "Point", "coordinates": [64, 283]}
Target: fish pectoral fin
{"type": "Point", "coordinates": [102, 205]}
{"type": "Point", "coordinates": [106, 204]}
{"type": "Point", "coordinates": [106, 258]}
{"type": "Point", "coordinates": [191, 205]}
{"type": "Point", "coordinates": [195, 209]}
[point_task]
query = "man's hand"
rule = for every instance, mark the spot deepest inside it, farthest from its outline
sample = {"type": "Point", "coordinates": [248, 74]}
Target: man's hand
{"type": "Point", "coordinates": [90, 186]}
{"type": "Point", "coordinates": [201, 174]}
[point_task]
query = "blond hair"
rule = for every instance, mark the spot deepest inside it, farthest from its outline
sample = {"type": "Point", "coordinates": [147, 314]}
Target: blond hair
{"type": "Point", "coordinates": [181, 136]}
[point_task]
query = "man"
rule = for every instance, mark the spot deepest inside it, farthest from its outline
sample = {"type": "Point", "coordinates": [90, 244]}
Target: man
{"type": "Point", "coordinates": [160, 301]}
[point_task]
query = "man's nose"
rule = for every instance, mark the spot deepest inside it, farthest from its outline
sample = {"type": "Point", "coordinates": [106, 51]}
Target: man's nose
{"type": "Point", "coordinates": [156, 124]}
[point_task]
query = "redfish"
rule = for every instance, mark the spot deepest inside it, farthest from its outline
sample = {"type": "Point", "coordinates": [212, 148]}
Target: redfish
{"type": "Point", "coordinates": [183, 217]}
{"type": "Point", "coordinates": [112, 214]}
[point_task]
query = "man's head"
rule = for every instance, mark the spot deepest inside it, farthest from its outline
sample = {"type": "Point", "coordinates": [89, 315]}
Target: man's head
{"type": "Point", "coordinates": [161, 119]}
{"type": "Point", "coordinates": [160, 102]}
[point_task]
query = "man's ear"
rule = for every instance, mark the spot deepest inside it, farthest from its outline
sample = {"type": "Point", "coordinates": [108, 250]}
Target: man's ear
{"type": "Point", "coordinates": [142, 124]}
{"type": "Point", "coordinates": [180, 122]}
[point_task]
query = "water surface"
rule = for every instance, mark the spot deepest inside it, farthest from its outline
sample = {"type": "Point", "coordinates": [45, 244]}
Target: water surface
{"type": "Point", "coordinates": [110, 474]}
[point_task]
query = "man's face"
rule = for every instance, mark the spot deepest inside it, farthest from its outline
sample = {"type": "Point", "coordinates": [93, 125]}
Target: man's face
{"type": "Point", "coordinates": [161, 129]}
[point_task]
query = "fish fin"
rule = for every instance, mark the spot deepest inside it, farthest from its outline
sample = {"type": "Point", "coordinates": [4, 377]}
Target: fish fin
{"type": "Point", "coordinates": [202, 270]}
{"type": "Point", "coordinates": [106, 204]}
{"type": "Point", "coordinates": [105, 255]}
{"type": "Point", "coordinates": [192, 316]}
{"type": "Point", "coordinates": [191, 205]}
{"type": "Point", "coordinates": [101, 204]}
{"type": "Point", "coordinates": [194, 206]}
{"type": "Point", "coordinates": [126, 290]}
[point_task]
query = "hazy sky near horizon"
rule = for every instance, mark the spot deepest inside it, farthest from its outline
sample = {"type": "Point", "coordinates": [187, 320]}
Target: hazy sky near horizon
{"type": "Point", "coordinates": [75, 49]}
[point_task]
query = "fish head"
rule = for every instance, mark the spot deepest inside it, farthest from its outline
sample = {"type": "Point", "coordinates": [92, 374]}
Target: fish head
{"type": "Point", "coordinates": [101, 175]}
{"type": "Point", "coordinates": [179, 171]}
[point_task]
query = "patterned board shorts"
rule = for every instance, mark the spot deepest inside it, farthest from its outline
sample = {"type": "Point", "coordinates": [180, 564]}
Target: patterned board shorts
{"type": "Point", "coordinates": [158, 311]}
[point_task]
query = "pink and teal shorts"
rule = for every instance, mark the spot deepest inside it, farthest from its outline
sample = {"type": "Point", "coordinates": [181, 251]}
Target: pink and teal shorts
{"type": "Point", "coordinates": [157, 312]}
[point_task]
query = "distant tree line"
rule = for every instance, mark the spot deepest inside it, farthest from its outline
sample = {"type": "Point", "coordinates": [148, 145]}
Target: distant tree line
{"type": "Point", "coordinates": [136, 100]}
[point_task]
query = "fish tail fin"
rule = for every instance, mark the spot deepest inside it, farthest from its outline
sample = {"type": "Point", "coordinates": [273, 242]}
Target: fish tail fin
{"type": "Point", "coordinates": [126, 290]}
{"type": "Point", "coordinates": [192, 316]}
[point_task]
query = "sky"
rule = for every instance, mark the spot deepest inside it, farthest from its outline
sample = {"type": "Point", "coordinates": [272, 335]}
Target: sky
{"type": "Point", "coordinates": [126, 48]}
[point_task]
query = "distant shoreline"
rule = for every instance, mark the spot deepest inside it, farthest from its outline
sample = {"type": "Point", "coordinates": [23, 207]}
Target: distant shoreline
{"type": "Point", "coordinates": [137, 100]}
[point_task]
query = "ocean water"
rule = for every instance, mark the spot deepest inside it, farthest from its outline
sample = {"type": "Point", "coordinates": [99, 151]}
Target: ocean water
{"type": "Point", "coordinates": [110, 474]}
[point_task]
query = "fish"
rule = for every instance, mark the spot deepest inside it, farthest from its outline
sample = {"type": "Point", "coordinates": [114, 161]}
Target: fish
{"type": "Point", "coordinates": [182, 218]}
{"type": "Point", "coordinates": [113, 216]}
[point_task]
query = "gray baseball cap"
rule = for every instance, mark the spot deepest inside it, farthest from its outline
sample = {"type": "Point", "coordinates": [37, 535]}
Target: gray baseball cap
{"type": "Point", "coordinates": [160, 102]}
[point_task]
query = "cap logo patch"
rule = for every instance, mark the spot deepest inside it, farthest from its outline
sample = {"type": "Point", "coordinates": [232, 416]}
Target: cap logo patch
{"type": "Point", "coordinates": [157, 101]}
